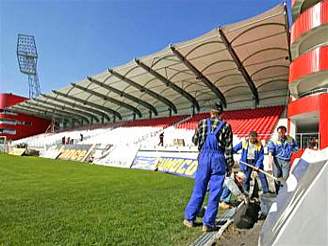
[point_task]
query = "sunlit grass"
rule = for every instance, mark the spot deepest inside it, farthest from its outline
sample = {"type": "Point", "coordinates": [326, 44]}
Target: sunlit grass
{"type": "Point", "coordinates": [67, 203]}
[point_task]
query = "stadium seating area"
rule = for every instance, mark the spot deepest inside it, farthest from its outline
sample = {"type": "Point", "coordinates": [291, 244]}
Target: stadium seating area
{"type": "Point", "coordinates": [181, 137]}
{"type": "Point", "coordinates": [145, 132]}
{"type": "Point", "coordinates": [50, 139]}
{"type": "Point", "coordinates": [156, 122]}
{"type": "Point", "coordinates": [262, 120]}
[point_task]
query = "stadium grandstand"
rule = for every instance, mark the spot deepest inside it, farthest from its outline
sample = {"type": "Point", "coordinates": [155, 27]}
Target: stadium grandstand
{"type": "Point", "coordinates": [225, 65]}
{"type": "Point", "coordinates": [264, 73]}
{"type": "Point", "coordinates": [245, 66]}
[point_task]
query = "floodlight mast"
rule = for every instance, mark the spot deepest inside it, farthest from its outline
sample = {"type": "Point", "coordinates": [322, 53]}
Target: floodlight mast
{"type": "Point", "coordinates": [27, 57]}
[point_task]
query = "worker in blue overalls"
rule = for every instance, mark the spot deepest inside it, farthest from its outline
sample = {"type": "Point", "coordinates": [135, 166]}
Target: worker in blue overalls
{"type": "Point", "coordinates": [214, 139]}
{"type": "Point", "coordinates": [253, 154]}
{"type": "Point", "coordinates": [280, 151]}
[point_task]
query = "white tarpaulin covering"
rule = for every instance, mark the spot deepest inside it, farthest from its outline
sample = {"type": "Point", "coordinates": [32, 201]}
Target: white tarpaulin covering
{"type": "Point", "coordinates": [119, 156]}
{"type": "Point", "coordinates": [300, 214]}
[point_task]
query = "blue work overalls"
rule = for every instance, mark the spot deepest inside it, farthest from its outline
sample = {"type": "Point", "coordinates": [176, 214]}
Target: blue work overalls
{"type": "Point", "coordinates": [211, 168]}
{"type": "Point", "coordinates": [281, 150]}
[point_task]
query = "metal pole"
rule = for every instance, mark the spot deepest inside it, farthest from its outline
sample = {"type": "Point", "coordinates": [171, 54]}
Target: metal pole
{"type": "Point", "coordinates": [260, 170]}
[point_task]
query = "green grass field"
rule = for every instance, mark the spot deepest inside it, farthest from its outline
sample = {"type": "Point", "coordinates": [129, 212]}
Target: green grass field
{"type": "Point", "coordinates": [48, 202]}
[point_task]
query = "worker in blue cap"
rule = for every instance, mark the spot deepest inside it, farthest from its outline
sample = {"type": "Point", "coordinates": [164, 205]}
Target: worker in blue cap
{"type": "Point", "coordinates": [214, 139]}
{"type": "Point", "coordinates": [252, 154]}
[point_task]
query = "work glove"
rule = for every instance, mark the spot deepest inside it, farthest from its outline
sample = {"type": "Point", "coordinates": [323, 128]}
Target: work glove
{"type": "Point", "coordinates": [245, 198]}
{"type": "Point", "coordinates": [254, 174]}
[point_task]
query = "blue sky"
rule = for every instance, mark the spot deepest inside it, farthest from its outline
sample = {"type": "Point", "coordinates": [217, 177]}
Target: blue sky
{"type": "Point", "coordinates": [80, 38]}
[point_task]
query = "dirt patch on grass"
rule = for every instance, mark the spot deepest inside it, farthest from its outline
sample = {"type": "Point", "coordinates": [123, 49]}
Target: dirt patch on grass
{"type": "Point", "coordinates": [241, 237]}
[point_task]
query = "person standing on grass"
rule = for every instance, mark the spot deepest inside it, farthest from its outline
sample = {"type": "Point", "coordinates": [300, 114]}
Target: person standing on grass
{"type": "Point", "coordinates": [252, 154]}
{"type": "Point", "coordinates": [214, 139]}
{"type": "Point", "coordinates": [280, 152]}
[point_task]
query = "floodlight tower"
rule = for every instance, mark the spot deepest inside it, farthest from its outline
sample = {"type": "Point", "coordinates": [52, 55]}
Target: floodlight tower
{"type": "Point", "coordinates": [27, 57]}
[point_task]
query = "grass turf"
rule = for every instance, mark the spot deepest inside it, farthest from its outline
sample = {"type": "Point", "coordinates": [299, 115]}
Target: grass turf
{"type": "Point", "coordinates": [48, 202]}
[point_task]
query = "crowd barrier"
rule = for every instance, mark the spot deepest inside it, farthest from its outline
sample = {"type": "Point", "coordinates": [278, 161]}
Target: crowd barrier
{"type": "Point", "coordinates": [75, 152]}
{"type": "Point", "coordinates": [119, 156]}
{"type": "Point", "coordinates": [17, 151]}
{"type": "Point", "coordinates": [183, 163]}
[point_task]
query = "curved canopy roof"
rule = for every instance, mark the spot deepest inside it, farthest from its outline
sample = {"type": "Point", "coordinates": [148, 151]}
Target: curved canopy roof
{"type": "Point", "coordinates": [243, 63]}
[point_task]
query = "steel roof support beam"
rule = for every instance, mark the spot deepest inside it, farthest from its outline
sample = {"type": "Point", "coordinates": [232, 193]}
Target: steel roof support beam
{"type": "Point", "coordinates": [36, 105]}
{"type": "Point", "coordinates": [67, 108]}
{"type": "Point", "coordinates": [240, 66]}
{"type": "Point", "coordinates": [199, 75]}
{"type": "Point", "coordinates": [170, 84]}
{"type": "Point", "coordinates": [43, 112]}
{"type": "Point", "coordinates": [109, 99]}
{"type": "Point", "coordinates": [43, 115]}
{"type": "Point", "coordinates": [30, 112]}
{"type": "Point", "coordinates": [39, 111]}
{"type": "Point", "coordinates": [54, 110]}
{"type": "Point", "coordinates": [74, 105]}
{"type": "Point", "coordinates": [124, 94]}
{"type": "Point", "coordinates": [144, 89]}
{"type": "Point", "coordinates": [287, 30]}
{"type": "Point", "coordinates": [94, 105]}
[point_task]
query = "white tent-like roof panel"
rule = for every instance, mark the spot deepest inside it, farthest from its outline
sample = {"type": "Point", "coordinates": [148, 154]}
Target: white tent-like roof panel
{"type": "Point", "coordinates": [244, 62]}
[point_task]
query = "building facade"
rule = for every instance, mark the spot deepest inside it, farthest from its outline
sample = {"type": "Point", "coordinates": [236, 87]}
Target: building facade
{"type": "Point", "coordinates": [15, 125]}
{"type": "Point", "coordinates": [308, 74]}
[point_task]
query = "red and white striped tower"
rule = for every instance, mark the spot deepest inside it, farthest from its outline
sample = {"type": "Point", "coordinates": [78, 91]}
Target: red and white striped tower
{"type": "Point", "coordinates": [308, 73]}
